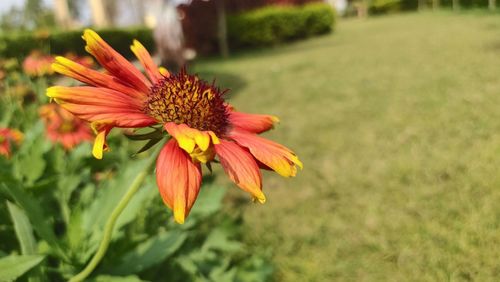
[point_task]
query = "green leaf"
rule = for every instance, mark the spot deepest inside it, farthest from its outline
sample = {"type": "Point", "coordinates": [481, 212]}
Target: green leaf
{"type": "Point", "coordinates": [155, 134]}
{"type": "Point", "coordinates": [23, 229]}
{"type": "Point", "coordinates": [110, 192]}
{"type": "Point", "coordinates": [34, 212]}
{"type": "Point", "coordinates": [148, 145]}
{"type": "Point", "coordinates": [209, 201]}
{"type": "Point", "coordinates": [12, 267]}
{"type": "Point", "coordinates": [222, 273]}
{"type": "Point", "coordinates": [29, 162]}
{"type": "Point", "coordinates": [151, 252]}
{"type": "Point", "coordinates": [218, 239]}
{"type": "Point", "coordinates": [108, 278]}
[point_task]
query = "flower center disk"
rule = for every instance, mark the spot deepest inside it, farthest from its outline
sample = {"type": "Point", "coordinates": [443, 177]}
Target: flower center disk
{"type": "Point", "coordinates": [184, 98]}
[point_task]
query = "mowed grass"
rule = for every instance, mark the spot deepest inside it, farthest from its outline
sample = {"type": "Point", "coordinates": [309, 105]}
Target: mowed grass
{"type": "Point", "coordinates": [397, 121]}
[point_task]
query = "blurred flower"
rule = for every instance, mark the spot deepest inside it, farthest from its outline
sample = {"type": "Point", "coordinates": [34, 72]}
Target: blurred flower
{"type": "Point", "coordinates": [85, 61]}
{"type": "Point", "coordinates": [37, 64]}
{"type": "Point", "coordinates": [63, 127]}
{"type": "Point", "coordinates": [7, 138]}
{"type": "Point", "coordinates": [192, 111]}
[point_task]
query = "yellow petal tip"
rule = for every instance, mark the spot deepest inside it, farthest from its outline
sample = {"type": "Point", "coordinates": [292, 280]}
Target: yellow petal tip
{"type": "Point", "coordinates": [259, 197]}
{"type": "Point", "coordinates": [179, 215]}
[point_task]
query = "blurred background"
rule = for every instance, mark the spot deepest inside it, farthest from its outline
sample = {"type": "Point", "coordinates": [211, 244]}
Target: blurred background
{"type": "Point", "coordinates": [392, 106]}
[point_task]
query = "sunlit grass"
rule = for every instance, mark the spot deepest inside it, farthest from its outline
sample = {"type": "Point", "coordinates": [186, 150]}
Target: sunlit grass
{"type": "Point", "coordinates": [397, 121]}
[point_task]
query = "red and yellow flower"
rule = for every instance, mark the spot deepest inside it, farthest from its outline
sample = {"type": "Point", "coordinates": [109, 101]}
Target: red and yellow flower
{"type": "Point", "coordinates": [63, 127]}
{"type": "Point", "coordinates": [8, 137]}
{"type": "Point", "coordinates": [204, 128]}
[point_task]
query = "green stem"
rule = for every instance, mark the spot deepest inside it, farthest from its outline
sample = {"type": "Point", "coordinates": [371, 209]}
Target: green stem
{"type": "Point", "coordinates": [110, 224]}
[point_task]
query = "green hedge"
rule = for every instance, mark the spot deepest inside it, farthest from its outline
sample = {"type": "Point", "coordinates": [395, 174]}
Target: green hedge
{"type": "Point", "coordinates": [262, 27]}
{"type": "Point", "coordinates": [275, 24]}
{"type": "Point", "coordinates": [21, 44]}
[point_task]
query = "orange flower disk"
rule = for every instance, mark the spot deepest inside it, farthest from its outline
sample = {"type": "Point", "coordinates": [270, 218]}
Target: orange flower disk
{"type": "Point", "coordinates": [63, 127]}
{"type": "Point", "coordinates": [204, 128]}
{"type": "Point", "coordinates": [7, 138]}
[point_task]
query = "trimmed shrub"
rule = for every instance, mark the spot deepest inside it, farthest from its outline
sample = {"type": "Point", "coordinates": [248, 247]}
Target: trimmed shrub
{"type": "Point", "coordinates": [276, 24]}
{"type": "Point", "coordinates": [60, 42]}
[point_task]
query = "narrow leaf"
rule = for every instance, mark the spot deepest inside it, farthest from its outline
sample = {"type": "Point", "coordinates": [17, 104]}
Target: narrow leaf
{"type": "Point", "coordinates": [150, 135]}
{"type": "Point", "coordinates": [12, 267]}
{"type": "Point", "coordinates": [148, 145]}
{"type": "Point", "coordinates": [108, 278]}
{"type": "Point", "coordinates": [151, 252]}
{"type": "Point", "coordinates": [23, 229]}
{"type": "Point", "coordinates": [35, 214]}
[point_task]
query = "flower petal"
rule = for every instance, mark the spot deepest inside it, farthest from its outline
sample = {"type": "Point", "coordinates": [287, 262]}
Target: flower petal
{"type": "Point", "coordinates": [253, 123]}
{"type": "Point", "coordinates": [178, 179]}
{"type": "Point", "coordinates": [241, 167]}
{"type": "Point", "coordinates": [189, 138]}
{"type": "Point", "coordinates": [276, 156]}
{"type": "Point", "coordinates": [101, 104]}
{"type": "Point", "coordinates": [115, 63]}
{"type": "Point", "coordinates": [147, 62]}
{"type": "Point", "coordinates": [92, 77]}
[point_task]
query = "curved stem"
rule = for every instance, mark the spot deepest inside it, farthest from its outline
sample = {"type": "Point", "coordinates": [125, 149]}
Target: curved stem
{"type": "Point", "coordinates": [110, 224]}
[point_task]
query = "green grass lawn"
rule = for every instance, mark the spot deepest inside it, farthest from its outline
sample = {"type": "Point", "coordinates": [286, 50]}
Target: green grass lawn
{"type": "Point", "coordinates": [397, 121]}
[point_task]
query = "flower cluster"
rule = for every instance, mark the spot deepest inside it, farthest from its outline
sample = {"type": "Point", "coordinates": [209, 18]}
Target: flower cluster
{"type": "Point", "coordinates": [204, 128]}
{"type": "Point", "coordinates": [8, 137]}
{"type": "Point", "coordinates": [38, 64]}
{"type": "Point", "coordinates": [63, 127]}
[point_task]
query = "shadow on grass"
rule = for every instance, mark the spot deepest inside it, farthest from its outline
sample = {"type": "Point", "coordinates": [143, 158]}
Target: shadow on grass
{"type": "Point", "coordinates": [224, 81]}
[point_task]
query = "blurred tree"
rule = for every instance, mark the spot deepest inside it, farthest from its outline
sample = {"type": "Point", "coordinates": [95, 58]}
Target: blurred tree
{"type": "Point", "coordinates": [422, 5]}
{"type": "Point", "coordinates": [62, 14]}
{"type": "Point", "coordinates": [435, 4]}
{"type": "Point", "coordinates": [169, 37]}
{"type": "Point", "coordinates": [111, 10]}
{"type": "Point", "coordinates": [33, 15]}
{"type": "Point", "coordinates": [12, 19]}
{"type": "Point", "coordinates": [222, 28]}
{"type": "Point", "coordinates": [455, 5]}
{"type": "Point", "coordinates": [492, 4]}
{"type": "Point", "coordinates": [98, 9]}
{"type": "Point", "coordinates": [140, 10]}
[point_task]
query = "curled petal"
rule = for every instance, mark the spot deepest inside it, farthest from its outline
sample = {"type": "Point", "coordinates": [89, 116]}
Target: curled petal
{"type": "Point", "coordinates": [276, 156]}
{"type": "Point", "coordinates": [100, 144]}
{"type": "Point", "coordinates": [147, 62]}
{"type": "Point", "coordinates": [92, 77]}
{"type": "Point", "coordinates": [241, 167]}
{"type": "Point", "coordinates": [178, 178]}
{"type": "Point", "coordinates": [101, 104]}
{"type": "Point", "coordinates": [253, 123]}
{"type": "Point", "coordinates": [190, 138]}
{"type": "Point", "coordinates": [115, 63]}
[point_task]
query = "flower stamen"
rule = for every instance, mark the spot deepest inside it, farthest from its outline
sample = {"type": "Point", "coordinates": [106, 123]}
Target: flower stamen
{"type": "Point", "coordinates": [186, 99]}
